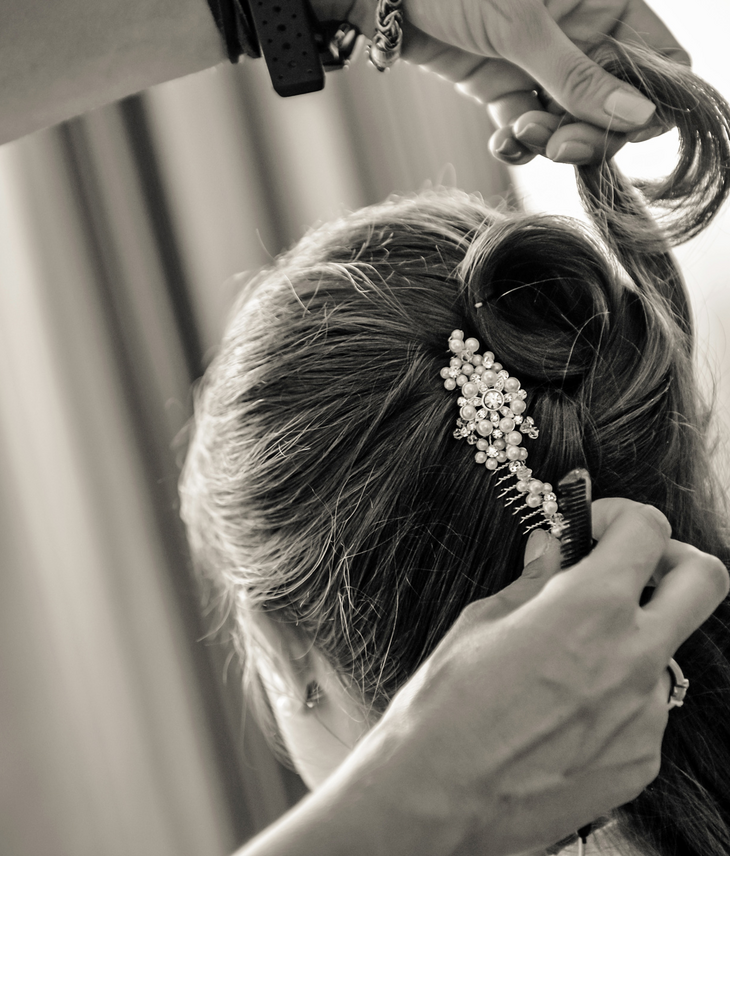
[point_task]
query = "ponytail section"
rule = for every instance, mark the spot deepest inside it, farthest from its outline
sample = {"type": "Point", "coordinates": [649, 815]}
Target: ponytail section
{"type": "Point", "coordinates": [685, 202]}
{"type": "Point", "coordinates": [595, 318]}
{"type": "Point", "coordinates": [642, 220]}
{"type": "Point", "coordinates": [550, 298]}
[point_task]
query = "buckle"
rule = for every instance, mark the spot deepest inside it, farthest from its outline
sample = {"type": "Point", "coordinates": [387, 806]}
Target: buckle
{"type": "Point", "coordinates": [336, 43]}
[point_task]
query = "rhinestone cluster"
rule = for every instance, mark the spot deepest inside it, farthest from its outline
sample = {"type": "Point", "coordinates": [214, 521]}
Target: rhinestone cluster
{"type": "Point", "coordinates": [491, 417]}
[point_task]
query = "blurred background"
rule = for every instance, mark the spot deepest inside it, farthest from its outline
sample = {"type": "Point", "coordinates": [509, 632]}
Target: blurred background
{"type": "Point", "coordinates": [123, 235]}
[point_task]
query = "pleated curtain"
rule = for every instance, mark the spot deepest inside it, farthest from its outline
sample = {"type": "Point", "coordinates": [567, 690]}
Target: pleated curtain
{"type": "Point", "coordinates": [123, 238]}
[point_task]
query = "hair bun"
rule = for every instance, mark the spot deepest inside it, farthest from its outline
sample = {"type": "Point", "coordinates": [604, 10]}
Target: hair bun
{"type": "Point", "coordinates": [549, 296]}
{"type": "Point", "coordinates": [560, 301]}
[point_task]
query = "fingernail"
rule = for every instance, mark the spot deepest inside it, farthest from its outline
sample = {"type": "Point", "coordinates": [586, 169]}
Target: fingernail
{"type": "Point", "coordinates": [573, 153]}
{"type": "Point", "coordinates": [646, 134]}
{"type": "Point", "coordinates": [629, 107]}
{"type": "Point", "coordinates": [508, 148]}
{"type": "Point", "coordinates": [510, 152]}
{"type": "Point", "coordinates": [534, 134]}
{"type": "Point", "coordinates": [537, 543]}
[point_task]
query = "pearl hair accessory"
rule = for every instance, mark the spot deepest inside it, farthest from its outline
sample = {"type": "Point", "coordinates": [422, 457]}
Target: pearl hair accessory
{"type": "Point", "coordinates": [491, 417]}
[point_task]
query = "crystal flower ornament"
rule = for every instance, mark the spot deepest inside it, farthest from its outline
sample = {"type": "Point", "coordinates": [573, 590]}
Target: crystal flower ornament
{"type": "Point", "coordinates": [491, 417]}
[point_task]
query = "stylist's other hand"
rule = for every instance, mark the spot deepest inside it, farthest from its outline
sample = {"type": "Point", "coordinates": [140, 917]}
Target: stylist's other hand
{"type": "Point", "coordinates": [544, 706]}
{"type": "Point", "coordinates": [503, 52]}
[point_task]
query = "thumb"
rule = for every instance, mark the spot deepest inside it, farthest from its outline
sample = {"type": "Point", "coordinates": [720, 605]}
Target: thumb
{"type": "Point", "coordinates": [542, 561]}
{"type": "Point", "coordinates": [535, 43]}
{"type": "Point", "coordinates": [542, 557]}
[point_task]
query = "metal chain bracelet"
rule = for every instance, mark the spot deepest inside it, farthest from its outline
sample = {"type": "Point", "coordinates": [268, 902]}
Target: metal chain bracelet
{"type": "Point", "coordinates": [388, 36]}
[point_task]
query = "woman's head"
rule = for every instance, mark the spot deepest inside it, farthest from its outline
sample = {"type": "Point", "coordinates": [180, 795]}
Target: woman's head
{"type": "Point", "coordinates": [324, 491]}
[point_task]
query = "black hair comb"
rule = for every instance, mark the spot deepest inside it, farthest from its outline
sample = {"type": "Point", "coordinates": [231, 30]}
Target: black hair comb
{"type": "Point", "coordinates": [574, 500]}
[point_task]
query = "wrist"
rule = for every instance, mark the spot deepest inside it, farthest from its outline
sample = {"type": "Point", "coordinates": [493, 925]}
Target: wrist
{"type": "Point", "coordinates": [395, 804]}
{"type": "Point", "coordinates": [374, 804]}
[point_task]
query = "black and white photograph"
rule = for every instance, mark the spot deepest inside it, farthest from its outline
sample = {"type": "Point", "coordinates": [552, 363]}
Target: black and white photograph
{"type": "Point", "coordinates": [364, 471]}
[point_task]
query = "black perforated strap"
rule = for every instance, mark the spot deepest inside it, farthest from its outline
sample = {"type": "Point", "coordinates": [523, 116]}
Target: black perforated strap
{"type": "Point", "coordinates": [285, 30]}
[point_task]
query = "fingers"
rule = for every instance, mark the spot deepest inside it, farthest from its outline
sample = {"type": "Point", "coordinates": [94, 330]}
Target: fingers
{"type": "Point", "coordinates": [535, 128]}
{"type": "Point", "coordinates": [632, 538]}
{"type": "Point", "coordinates": [528, 129]}
{"type": "Point", "coordinates": [582, 144]}
{"type": "Point", "coordinates": [533, 41]}
{"type": "Point", "coordinates": [538, 570]}
{"type": "Point", "coordinates": [493, 80]}
{"type": "Point", "coordinates": [635, 548]}
{"type": "Point", "coordinates": [690, 586]}
{"type": "Point", "coordinates": [510, 94]}
{"type": "Point", "coordinates": [646, 133]}
{"type": "Point", "coordinates": [440, 58]}
{"type": "Point", "coordinates": [483, 79]}
{"type": "Point", "coordinates": [664, 687]}
{"type": "Point", "coordinates": [533, 578]}
{"type": "Point", "coordinates": [451, 63]}
{"type": "Point", "coordinates": [574, 143]}
{"type": "Point", "coordinates": [504, 109]}
{"type": "Point", "coordinates": [607, 510]}
{"type": "Point", "coordinates": [504, 147]}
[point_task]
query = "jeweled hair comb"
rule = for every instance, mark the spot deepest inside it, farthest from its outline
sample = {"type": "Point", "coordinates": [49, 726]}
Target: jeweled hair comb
{"type": "Point", "coordinates": [491, 417]}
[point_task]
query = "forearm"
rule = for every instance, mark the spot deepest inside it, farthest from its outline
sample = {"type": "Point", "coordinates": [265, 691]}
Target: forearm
{"type": "Point", "coordinates": [332, 823]}
{"type": "Point", "coordinates": [59, 58]}
{"type": "Point", "coordinates": [372, 805]}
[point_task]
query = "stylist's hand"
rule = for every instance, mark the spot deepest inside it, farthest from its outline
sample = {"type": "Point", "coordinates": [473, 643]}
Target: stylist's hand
{"type": "Point", "coordinates": [502, 52]}
{"type": "Point", "coordinates": [544, 706]}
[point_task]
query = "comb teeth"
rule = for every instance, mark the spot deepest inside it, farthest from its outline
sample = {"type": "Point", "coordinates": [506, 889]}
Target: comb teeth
{"type": "Point", "coordinates": [574, 497]}
{"type": "Point", "coordinates": [492, 417]}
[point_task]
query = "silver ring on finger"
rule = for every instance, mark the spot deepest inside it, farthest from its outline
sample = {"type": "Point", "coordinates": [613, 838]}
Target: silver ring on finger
{"type": "Point", "coordinates": [680, 685]}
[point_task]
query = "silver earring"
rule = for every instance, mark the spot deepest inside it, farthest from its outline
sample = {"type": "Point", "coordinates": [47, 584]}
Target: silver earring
{"type": "Point", "coordinates": [314, 694]}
